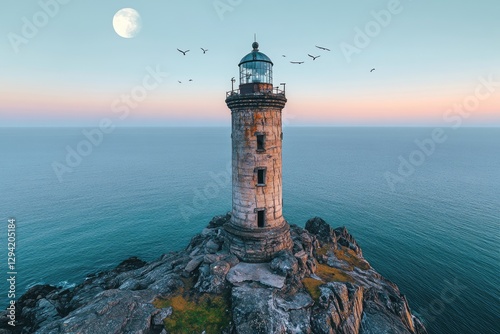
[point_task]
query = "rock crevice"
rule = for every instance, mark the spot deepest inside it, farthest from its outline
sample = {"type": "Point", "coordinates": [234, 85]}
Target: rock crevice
{"type": "Point", "coordinates": [323, 285]}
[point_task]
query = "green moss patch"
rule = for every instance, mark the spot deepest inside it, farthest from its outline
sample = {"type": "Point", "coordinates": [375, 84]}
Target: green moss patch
{"type": "Point", "coordinates": [192, 313]}
{"type": "Point", "coordinates": [312, 286]}
{"type": "Point", "coordinates": [322, 251]}
{"type": "Point", "coordinates": [330, 274]}
{"type": "Point", "coordinates": [348, 255]}
{"type": "Point", "coordinates": [207, 313]}
{"type": "Point", "coordinates": [327, 274]}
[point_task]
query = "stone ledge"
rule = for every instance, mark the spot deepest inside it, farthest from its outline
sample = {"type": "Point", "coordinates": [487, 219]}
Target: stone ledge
{"type": "Point", "coordinates": [257, 234]}
{"type": "Point", "coordinates": [254, 272]}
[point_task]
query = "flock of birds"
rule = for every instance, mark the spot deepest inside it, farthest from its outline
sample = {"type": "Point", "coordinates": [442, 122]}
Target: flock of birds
{"type": "Point", "coordinates": [310, 55]}
{"type": "Point", "coordinates": [315, 57]}
{"type": "Point", "coordinates": [184, 53]}
{"type": "Point", "coordinates": [292, 62]}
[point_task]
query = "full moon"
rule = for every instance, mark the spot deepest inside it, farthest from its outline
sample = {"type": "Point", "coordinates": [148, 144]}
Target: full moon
{"type": "Point", "coordinates": [127, 23]}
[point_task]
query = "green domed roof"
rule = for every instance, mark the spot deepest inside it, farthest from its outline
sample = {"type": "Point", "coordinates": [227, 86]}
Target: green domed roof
{"type": "Point", "coordinates": [255, 55]}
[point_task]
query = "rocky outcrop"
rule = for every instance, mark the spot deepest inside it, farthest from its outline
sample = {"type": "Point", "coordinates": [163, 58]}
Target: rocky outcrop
{"type": "Point", "coordinates": [324, 285]}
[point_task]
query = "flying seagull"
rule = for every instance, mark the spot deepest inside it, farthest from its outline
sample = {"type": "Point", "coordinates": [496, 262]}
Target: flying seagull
{"type": "Point", "coordinates": [322, 48]}
{"type": "Point", "coordinates": [183, 52]}
{"type": "Point", "coordinates": [372, 70]}
{"type": "Point", "coordinates": [314, 58]}
{"type": "Point", "coordinates": [204, 50]}
{"type": "Point", "coordinates": [297, 62]}
{"type": "Point", "coordinates": [179, 81]}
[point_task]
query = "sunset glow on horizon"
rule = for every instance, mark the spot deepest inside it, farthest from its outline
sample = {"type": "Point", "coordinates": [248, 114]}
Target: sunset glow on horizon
{"type": "Point", "coordinates": [71, 74]}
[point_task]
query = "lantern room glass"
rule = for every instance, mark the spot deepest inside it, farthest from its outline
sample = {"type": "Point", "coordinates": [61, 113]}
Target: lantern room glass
{"type": "Point", "coordinates": [256, 72]}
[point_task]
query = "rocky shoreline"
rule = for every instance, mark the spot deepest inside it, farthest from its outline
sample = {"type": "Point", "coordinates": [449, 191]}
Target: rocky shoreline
{"type": "Point", "coordinates": [323, 286]}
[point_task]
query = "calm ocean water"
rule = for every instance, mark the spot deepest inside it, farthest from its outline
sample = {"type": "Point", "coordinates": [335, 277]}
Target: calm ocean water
{"type": "Point", "coordinates": [147, 191]}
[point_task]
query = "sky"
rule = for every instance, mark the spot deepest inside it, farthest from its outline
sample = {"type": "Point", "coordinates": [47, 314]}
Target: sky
{"type": "Point", "coordinates": [436, 62]}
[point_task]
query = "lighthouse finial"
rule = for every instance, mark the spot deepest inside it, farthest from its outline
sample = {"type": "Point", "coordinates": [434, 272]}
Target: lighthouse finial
{"type": "Point", "coordinates": [255, 45]}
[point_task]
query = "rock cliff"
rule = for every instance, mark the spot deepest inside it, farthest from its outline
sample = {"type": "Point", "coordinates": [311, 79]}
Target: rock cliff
{"type": "Point", "coordinates": [323, 286]}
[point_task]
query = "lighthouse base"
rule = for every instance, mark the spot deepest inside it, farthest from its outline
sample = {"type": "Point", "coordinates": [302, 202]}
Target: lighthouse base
{"type": "Point", "coordinates": [257, 245]}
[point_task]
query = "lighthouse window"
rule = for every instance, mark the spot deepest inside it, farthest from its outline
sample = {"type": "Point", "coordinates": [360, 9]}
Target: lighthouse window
{"type": "Point", "coordinates": [261, 218]}
{"type": "Point", "coordinates": [260, 142]}
{"type": "Point", "coordinates": [261, 177]}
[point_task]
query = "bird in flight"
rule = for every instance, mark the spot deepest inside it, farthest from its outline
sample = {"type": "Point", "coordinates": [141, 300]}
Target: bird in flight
{"type": "Point", "coordinates": [283, 55]}
{"type": "Point", "coordinates": [179, 81]}
{"type": "Point", "coordinates": [313, 57]}
{"type": "Point", "coordinates": [322, 48]}
{"type": "Point", "coordinates": [183, 52]}
{"type": "Point", "coordinates": [297, 62]}
{"type": "Point", "coordinates": [204, 50]}
{"type": "Point", "coordinates": [190, 79]}
{"type": "Point", "coordinates": [372, 70]}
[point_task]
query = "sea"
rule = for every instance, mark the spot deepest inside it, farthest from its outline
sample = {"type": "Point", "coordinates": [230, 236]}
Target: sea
{"type": "Point", "coordinates": [423, 203]}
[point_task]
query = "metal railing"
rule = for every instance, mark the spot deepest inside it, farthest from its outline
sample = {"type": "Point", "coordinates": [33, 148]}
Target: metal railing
{"type": "Point", "coordinates": [275, 90]}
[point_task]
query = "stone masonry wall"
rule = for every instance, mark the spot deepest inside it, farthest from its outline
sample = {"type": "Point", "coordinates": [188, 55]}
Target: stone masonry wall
{"type": "Point", "coordinates": [245, 159]}
{"type": "Point", "coordinates": [258, 249]}
{"type": "Point", "coordinates": [252, 115]}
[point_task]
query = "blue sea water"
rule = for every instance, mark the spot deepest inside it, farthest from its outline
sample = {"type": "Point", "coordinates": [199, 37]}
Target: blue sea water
{"type": "Point", "coordinates": [146, 191]}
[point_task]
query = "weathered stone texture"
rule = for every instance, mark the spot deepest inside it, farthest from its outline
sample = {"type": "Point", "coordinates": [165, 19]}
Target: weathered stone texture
{"type": "Point", "coordinates": [258, 246]}
{"type": "Point", "coordinates": [246, 194]}
{"type": "Point", "coordinates": [252, 115]}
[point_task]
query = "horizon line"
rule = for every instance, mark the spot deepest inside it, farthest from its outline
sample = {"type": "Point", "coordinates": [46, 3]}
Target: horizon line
{"type": "Point", "coordinates": [226, 126]}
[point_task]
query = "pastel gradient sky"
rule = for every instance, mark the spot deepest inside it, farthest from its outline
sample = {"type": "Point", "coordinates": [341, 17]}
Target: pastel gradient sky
{"type": "Point", "coordinates": [429, 55]}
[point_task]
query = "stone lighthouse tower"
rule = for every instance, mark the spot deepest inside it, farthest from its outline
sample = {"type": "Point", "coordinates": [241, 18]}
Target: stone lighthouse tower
{"type": "Point", "coordinates": [257, 229]}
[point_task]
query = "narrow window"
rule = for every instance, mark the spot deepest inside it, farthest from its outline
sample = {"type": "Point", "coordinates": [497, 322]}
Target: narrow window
{"type": "Point", "coordinates": [260, 142]}
{"type": "Point", "coordinates": [261, 176]}
{"type": "Point", "coordinates": [261, 218]}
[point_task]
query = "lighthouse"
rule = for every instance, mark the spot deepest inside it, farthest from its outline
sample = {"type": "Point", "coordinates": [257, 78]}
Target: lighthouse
{"type": "Point", "coordinates": [257, 229]}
